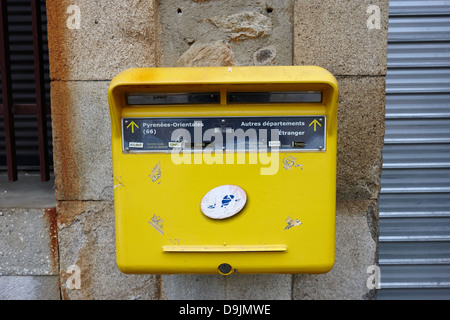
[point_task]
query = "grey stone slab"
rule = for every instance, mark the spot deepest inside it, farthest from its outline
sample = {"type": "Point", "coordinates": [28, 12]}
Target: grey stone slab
{"type": "Point", "coordinates": [95, 40]}
{"type": "Point", "coordinates": [27, 192]}
{"type": "Point", "coordinates": [81, 140]}
{"type": "Point", "coordinates": [193, 287]}
{"type": "Point", "coordinates": [190, 30]}
{"type": "Point", "coordinates": [27, 242]}
{"type": "Point", "coordinates": [335, 35]}
{"type": "Point", "coordinates": [360, 141]}
{"type": "Point", "coordinates": [87, 244]}
{"type": "Point", "coordinates": [232, 287]}
{"type": "Point", "coordinates": [259, 287]}
{"type": "Point", "coordinates": [29, 288]}
{"type": "Point", "coordinates": [355, 252]}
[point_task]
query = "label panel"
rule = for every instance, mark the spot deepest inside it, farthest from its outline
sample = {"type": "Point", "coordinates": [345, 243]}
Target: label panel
{"type": "Point", "coordinates": [293, 133]}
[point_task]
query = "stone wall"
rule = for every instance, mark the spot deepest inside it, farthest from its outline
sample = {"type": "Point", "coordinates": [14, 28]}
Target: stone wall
{"type": "Point", "coordinates": [115, 35]}
{"type": "Point", "coordinates": [343, 37]}
{"type": "Point", "coordinates": [222, 33]}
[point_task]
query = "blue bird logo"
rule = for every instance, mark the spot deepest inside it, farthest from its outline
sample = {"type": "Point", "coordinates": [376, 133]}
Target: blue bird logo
{"type": "Point", "coordinates": [226, 200]}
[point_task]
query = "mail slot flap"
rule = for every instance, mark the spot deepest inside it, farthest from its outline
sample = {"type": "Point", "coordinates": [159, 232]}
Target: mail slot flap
{"type": "Point", "coordinates": [188, 98]}
{"type": "Point", "coordinates": [222, 85]}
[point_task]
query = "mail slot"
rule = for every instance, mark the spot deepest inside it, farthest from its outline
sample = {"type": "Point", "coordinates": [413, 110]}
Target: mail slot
{"type": "Point", "coordinates": [224, 169]}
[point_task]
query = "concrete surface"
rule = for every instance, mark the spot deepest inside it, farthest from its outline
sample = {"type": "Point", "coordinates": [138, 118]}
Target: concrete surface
{"type": "Point", "coordinates": [82, 139]}
{"type": "Point", "coordinates": [87, 240]}
{"type": "Point", "coordinates": [29, 263]}
{"type": "Point", "coordinates": [29, 288]}
{"type": "Point", "coordinates": [334, 35]}
{"type": "Point", "coordinates": [27, 192]}
{"type": "Point", "coordinates": [26, 243]}
{"type": "Point", "coordinates": [360, 137]}
{"type": "Point", "coordinates": [232, 287]}
{"type": "Point", "coordinates": [356, 247]}
{"type": "Point", "coordinates": [113, 36]}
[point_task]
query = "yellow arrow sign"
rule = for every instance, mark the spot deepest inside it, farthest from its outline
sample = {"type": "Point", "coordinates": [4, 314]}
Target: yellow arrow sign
{"type": "Point", "coordinates": [315, 122]}
{"type": "Point", "coordinates": [133, 124]}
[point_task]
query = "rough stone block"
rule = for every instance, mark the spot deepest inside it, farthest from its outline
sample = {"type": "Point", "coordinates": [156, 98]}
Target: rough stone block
{"type": "Point", "coordinates": [95, 40]}
{"type": "Point", "coordinates": [193, 287]}
{"type": "Point", "coordinates": [28, 242]}
{"type": "Point", "coordinates": [342, 36]}
{"type": "Point", "coordinates": [356, 238]}
{"type": "Point", "coordinates": [259, 287]}
{"type": "Point", "coordinates": [87, 240]}
{"type": "Point", "coordinates": [81, 140]}
{"type": "Point", "coordinates": [245, 27]}
{"type": "Point", "coordinates": [214, 54]}
{"type": "Point", "coordinates": [360, 137]}
{"type": "Point", "coordinates": [29, 288]}
{"type": "Point", "coordinates": [234, 287]}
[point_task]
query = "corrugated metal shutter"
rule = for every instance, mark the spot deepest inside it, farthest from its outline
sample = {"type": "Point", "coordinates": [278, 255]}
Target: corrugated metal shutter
{"type": "Point", "coordinates": [23, 84]}
{"type": "Point", "coordinates": [414, 241]}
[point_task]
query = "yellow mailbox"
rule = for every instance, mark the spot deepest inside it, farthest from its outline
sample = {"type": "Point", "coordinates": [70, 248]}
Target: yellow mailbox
{"type": "Point", "coordinates": [224, 169]}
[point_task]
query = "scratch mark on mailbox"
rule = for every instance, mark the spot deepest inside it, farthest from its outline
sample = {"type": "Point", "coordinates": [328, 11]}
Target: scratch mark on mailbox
{"type": "Point", "coordinates": [155, 175]}
{"type": "Point", "coordinates": [119, 184]}
{"type": "Point", "coordinates": [290, 162]}
{"type": "Point", "coordinates": [157, 223]}
{"type": "Point", "coordinates": [291, 222]}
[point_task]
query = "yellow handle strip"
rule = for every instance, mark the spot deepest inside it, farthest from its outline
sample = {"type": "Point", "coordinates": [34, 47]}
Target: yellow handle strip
{"type": "Point", "coordinates": [226, 248]}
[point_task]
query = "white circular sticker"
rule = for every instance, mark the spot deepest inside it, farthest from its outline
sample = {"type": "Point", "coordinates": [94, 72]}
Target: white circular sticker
{"type": "Point", "coordinates": [223, 202]}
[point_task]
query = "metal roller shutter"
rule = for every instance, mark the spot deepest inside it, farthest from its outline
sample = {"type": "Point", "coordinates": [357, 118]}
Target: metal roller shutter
{"type": "Point", "coordinates": [414, 241]}
{"type": "Point", "coordinates": [23, 84]}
